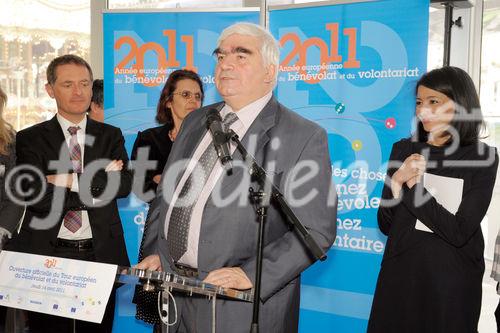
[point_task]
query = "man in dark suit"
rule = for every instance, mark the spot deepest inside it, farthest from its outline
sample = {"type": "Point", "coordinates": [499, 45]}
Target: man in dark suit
{"type": "Point", "coordinates": [208, 230]}
{"type": "Point", "coordinates": [75, 215]}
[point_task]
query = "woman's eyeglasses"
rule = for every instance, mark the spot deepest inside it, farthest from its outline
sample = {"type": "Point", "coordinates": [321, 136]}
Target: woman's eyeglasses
{"type": "Point", "coordinates": [187, 95]}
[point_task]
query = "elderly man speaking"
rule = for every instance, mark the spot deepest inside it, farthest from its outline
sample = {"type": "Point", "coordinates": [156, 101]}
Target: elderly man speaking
{"type": "Point", "coordinates": [207, 226]}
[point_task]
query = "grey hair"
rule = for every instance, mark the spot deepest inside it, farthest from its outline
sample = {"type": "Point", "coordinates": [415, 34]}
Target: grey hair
{"type": "Point", "coordinates": [269, 48]}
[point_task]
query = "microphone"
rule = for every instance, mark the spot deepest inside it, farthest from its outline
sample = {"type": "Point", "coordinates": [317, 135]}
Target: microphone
{"type": "Point", "coordinates": [220, 138]}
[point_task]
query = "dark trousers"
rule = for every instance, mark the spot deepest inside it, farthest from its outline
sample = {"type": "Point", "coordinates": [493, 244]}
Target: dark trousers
{"type": "Point", "coordinates": [44, 323]}
{"type": "Point", "coordinates": [497, 316]}
{"type": "Point", "coordinates": [3, 315]}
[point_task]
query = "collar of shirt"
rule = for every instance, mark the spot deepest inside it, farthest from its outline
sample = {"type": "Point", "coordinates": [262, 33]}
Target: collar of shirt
{"type": "Point", "coordinates": [65, 124]}
{"type": "Point", "coordinates": [248, 113]}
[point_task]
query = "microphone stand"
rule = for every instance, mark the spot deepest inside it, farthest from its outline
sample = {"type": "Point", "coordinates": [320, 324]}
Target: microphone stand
{"type": "Point", "coordinates": [261, 206]}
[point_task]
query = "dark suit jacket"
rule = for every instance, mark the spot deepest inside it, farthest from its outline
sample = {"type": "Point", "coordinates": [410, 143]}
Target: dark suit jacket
{"type": "Point", "coordinates": [38, 146]}
{"type": "Point", "coordinates": [159, 144]}
{"type": "Point", "coordinates": [10, 213]}
{"type": "Point", "coordinates": [228, 234]}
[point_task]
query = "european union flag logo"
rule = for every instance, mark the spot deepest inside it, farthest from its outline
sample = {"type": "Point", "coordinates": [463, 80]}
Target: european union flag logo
{"type": "Point", "coordinates": [73, 310]}
{"type": "Point", "coordinates": [1, 296]}
{"type": "Point", "coordinates": [55, 306]}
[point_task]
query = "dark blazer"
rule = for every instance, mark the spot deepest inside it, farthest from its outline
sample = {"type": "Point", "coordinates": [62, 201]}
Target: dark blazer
{"type": "Point", "coordinates": [10, 213]}
{"type": "Point", "coordinates": [44, 143]}
{"type": "Point", "coordinates": [228, 234]}
{"type": "Point", "coordinates": [159, 144]}
{"type": "Point", "coordinates": [440, 273]}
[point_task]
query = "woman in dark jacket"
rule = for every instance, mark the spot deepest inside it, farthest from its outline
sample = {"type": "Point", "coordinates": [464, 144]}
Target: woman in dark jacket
{"type": "Point", "coordinates": [432, 270]}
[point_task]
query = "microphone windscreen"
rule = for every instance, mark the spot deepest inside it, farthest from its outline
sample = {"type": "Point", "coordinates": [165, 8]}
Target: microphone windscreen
{"type": "Point", "coordinates": [212, 115]}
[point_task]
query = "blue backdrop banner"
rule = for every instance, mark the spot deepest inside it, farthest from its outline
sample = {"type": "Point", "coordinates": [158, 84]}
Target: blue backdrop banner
{"type": "Point", "coordinates": [140, 50]}
{"type": "Point", "coordinates": [351, 68]}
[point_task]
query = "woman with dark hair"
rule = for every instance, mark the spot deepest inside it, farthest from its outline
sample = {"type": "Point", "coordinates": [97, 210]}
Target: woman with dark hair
{"type": "Point", "coordinates": [182, 94]}
{"type": "Point", "coordinates": [432, 269]}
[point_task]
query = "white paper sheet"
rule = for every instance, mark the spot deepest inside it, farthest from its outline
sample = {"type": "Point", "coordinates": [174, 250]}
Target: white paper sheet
{"type": "Point", "coordinates": [446, 190]}
{"type": "Point", "coordinates": [56, 286]}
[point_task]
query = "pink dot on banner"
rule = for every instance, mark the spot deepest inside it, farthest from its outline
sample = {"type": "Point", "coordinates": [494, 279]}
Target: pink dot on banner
{"type": "Point", "coordinates": [357, 145]}
{"type": "Point", "coordinates": [390, 123]}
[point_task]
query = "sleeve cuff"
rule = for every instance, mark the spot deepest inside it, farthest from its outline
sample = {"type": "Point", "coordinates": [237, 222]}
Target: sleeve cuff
{"type": "Point", "coordinates": [5, 232]}
{"type": "Point", "coordinates": [74, 183]}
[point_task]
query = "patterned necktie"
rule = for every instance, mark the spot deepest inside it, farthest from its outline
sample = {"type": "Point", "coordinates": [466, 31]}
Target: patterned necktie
{"type": "Point", "coordinates": [178, 227]}
{"type": "Point", "coordinates": [73, 218]}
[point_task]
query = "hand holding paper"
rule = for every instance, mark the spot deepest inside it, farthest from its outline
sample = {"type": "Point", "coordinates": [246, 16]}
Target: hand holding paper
{"type": "Point", "coordinates": [446, 190]}
{"type": "Point", "coordinates": [410, 173]}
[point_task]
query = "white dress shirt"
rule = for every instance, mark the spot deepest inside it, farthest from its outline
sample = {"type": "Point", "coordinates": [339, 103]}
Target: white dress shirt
{"type": "Point", "coordinates": [246, 117]}
{"type": "Point", "coordinates": [85, 232]}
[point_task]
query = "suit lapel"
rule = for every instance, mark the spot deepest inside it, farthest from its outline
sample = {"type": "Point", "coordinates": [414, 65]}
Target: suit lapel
{"type": "Point", "coordinates": [266, 120]}
{"type": "Point", "coordinates": [57, 141]}
{"type": "Point", "coordinates": [188, 145]}
{"type": "Point", "coordinates": [192, 140]}
{"type": "Point", "coordinates": [92, 133]}
{"type": "Point", "coordinates": [201, 130]}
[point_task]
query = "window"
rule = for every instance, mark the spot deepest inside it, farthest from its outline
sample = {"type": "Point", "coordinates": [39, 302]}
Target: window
{"type": "Point", "coordinates": [156, 4]}
{"type": "Point", "coordinates": [490, 104]}
{"type": "Point", "coordinates": [32, 33]}
{"type": "Point", "coordinates": [490, 62]}
{"type": "Point", "coordinates": [435, 48]}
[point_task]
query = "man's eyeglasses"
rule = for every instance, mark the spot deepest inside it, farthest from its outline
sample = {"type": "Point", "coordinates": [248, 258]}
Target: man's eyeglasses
{"type": "Point", "coordinates": [187, 95]}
